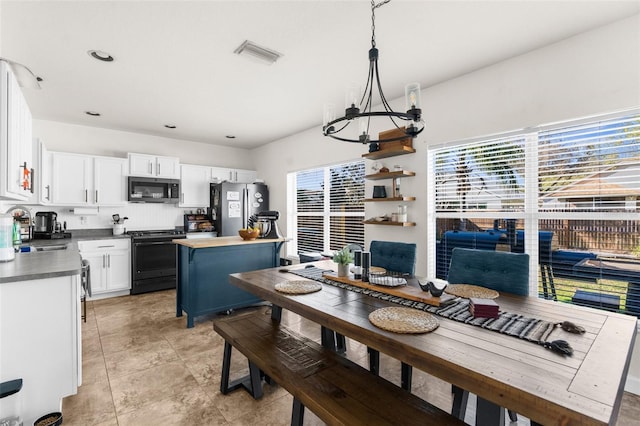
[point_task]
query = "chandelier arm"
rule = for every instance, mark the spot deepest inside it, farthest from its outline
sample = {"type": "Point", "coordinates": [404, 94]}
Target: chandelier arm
{"type": "Point", "coordinates": [398, 138]}
{"type": "Point", "coordinates": [327, 128]}
{"type": "Point", "coordinates": [368, 88]}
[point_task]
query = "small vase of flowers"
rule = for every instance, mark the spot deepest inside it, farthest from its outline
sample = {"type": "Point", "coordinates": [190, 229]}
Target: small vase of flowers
{"type": "Point", "coordinates": [343, 258]}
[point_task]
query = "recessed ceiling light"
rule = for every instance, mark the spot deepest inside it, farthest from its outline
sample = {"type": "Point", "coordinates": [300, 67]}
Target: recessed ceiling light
{"type": "Point", "coordinates": [100, 55]}
{"type": "Point", "coordinates": [92, 113]}
{"type": "Point", "coordinates": [230, 137]}
{"type": "Point", "coordinates": [170, 126]}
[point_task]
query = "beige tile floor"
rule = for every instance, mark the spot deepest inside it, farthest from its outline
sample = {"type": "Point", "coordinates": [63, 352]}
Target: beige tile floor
{"type": "Point", "coordinates": [142, 366]}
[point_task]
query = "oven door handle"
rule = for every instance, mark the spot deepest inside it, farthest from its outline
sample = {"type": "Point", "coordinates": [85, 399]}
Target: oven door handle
{"type": "Point", "coordinates": [155, 243]}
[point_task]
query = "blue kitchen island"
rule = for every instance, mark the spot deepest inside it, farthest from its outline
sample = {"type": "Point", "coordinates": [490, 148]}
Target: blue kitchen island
{"type": "Point", "coordinates": [204, 265]}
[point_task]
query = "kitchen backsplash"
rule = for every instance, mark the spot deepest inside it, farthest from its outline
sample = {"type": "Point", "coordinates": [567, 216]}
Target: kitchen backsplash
{"type": "Point", "coordinates": [141, 215]}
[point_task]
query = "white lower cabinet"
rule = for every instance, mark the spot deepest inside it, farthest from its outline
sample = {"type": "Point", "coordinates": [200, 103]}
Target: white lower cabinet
{"type": "Point", "coordinates": [40, 341]}
{"type": "Point", "coordinates": [109, 264]}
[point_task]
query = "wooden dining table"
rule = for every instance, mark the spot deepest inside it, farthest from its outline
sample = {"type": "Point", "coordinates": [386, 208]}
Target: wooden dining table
{"type": "Point", "coordinates": [547, 387]}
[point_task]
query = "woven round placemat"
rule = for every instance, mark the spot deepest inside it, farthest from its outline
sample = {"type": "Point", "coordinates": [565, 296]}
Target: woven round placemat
{"type": "Point", "coordinates": [403, 320]}
{"type": "Point", "coordinates": [469, 290]}
{"type": "Point", "coordinates": [298, 287]}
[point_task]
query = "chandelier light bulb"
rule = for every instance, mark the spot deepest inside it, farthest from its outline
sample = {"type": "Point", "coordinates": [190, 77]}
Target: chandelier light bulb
{"type": "Point", "coordinates": [412, 96]}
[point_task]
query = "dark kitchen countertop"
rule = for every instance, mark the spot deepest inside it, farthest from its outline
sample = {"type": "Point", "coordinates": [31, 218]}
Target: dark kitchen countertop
{"type": "Point", "coordinates": [41, 265]}
{"type": "Point", "coordinates": [53, 263]}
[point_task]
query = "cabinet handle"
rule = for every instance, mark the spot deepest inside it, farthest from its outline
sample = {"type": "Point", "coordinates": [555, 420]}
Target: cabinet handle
{"type": "Point", "coordinates": [104, 260]}
{"type": "Point", "coordinates": [96, 196]}
{"type": "Point", "coordinates": [48, 192]}
{"type": "Point", "coordinates": [230, 175]}
{"type": "Point", "coordinates": [158, 168]}
{"type": "Point", "coordinates": [86, 195]}
{"type": "Point", "coordinates": [109, 261]}
{"type": "Point", "coordinates": [32, 172]}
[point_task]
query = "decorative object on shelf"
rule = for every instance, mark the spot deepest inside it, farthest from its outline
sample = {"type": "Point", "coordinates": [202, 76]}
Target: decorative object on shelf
{"type": "Point", "coordinates": [384, 169]}
{"type": "Point", "coordinates": [360, 111]}
{"type": "Point", "coordinates": [402, 213]}
{"type": "Point", "coordinates": [379, 191]}
{"type": "Point", "coordinates": [343, 258]}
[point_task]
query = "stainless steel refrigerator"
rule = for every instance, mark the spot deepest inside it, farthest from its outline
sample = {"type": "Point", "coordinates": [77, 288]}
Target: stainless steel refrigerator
{"type": "Point", "coordinates": [233, 203]}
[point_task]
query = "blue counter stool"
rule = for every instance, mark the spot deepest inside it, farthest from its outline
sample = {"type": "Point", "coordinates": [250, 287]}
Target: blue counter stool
{"type": "Point", "coordinates": [502, 271]}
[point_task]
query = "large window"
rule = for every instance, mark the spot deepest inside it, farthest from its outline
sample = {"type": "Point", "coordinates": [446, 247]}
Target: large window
{"type": "Point", "coordinates": [568, 194]}
{"type": "Point", "coordinates": [326, 208]}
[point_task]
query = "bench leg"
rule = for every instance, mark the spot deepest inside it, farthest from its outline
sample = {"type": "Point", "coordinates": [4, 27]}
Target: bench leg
{"type": "Point", "coordinates": [460, 399]}
{"type": "Point", "coordinates": [297, 414]}
{"type": "Point", "coordinates": [251, 383]}
{"type": "Point", "coordinates": [374, 361]}
{"type": "Point", "coordinates": [406, 376]}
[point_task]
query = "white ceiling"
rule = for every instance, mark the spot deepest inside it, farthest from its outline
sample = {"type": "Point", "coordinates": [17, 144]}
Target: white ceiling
{"type": "Point", "coordinates": [174, 60]}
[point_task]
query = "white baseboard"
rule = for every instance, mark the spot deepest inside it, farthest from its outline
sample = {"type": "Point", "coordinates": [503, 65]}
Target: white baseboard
{"type": "Point", "coordinates": [632, 385]}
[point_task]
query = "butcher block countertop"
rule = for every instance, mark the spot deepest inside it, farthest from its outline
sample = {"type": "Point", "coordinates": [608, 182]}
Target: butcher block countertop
{"type": "Point", "coordinates": [197, 243]}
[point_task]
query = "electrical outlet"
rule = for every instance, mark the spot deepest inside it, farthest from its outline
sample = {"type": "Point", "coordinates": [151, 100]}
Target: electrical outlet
{"type": "Point", "coordinates": [83, 220]}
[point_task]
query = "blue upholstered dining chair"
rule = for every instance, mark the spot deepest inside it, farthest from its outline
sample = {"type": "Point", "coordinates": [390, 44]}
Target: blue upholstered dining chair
{"type": "Point", "coordinates": [394, 257]}
{"type": "Point", "coordinates": [502, 271]}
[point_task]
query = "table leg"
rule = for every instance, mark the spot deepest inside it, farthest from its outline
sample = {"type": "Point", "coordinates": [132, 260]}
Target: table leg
{"type": "Point", "coordinates": [406, 376]}
{"type": "Point", "coordinates": [328, 338]}
{"type": "Point", "coordinates": [276, 313]}
{"type": "Point", "coordinates": [488, 413]}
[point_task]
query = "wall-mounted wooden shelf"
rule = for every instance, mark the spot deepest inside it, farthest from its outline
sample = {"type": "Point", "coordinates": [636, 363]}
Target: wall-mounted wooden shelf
{"type": "Point", "coordinates": [368, 200]}
{"type": "Point", "coordinates": [392, 152]}
{"type": "Point", "coordinates": [388, 223]}
{"type": "Point", "coordinates": [390, 175]}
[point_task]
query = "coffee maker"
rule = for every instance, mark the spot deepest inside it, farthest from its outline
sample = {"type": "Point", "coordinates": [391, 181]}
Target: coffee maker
{"type": "Point", "coordinates": [266, 221]}
{"type": "Point", "coordinates": [46, 227]}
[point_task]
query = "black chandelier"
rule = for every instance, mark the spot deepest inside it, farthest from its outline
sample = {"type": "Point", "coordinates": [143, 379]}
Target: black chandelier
{"type": "Point", "coordinates": [361, 113]}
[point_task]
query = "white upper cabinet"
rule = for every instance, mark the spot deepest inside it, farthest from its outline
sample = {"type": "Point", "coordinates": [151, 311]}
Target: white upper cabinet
{"type": "Point", "coordinates": [44, 177]}
{"type": "Point", "coordinates": [110, 181]}
{"type": "Point", "coordinates": [222, 174]}
{"type": "Point", "coordinates": [154, 166]}
{"type": "Point", "coordinates": [245, 176]}
{"type": "Point", "coordinates": [16, 154]}
{"type": "Point", "coordinates": [86, 180]}
{"type": "Point", "coordinates": [194, 185]}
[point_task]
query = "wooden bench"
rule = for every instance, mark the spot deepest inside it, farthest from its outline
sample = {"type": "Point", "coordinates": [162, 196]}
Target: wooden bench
{"type": "Point", "coordinates": [337, 390]}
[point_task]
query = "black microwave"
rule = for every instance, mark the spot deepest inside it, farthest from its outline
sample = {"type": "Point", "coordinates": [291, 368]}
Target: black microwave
{"type": "Point", "coordinates": [153, 190]}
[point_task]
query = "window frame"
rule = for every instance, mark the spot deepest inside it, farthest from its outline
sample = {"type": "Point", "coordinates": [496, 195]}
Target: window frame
{"type": "Point", "coordinates": [532, 214]}
{"type": "Point", "coordinates": [327, 214]}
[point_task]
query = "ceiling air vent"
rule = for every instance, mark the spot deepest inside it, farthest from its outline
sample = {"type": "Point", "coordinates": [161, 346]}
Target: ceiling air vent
{"type": "Point", "coordinates": [253, 51]}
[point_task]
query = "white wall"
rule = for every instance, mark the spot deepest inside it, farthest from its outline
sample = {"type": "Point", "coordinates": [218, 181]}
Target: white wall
{"type": "Point", "coordinates": [66, 137]}
{"type": "Point", "coordinates": [591, 73]}
{"type": "Point", "coordinates": [595, 72]}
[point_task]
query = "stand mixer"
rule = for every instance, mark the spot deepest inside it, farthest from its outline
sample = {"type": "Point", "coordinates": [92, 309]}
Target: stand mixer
{"type": "Point", "coordinates": [266, 221]}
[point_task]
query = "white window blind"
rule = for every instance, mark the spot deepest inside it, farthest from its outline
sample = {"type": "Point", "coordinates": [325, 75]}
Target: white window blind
{"type": "Point", "coordinates": [582, 211]}
{"type": "Point", "coordinates": [486, 175]}
{"type": "Point", "coordinates": [329, 207]}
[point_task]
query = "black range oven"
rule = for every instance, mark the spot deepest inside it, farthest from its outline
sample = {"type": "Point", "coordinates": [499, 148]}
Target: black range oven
{"type": "Point", "coordinates": [153, 260]}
